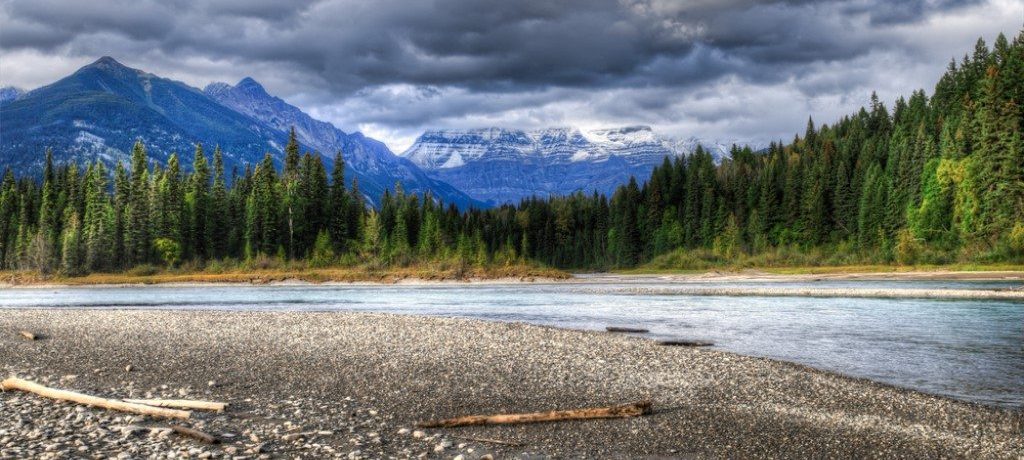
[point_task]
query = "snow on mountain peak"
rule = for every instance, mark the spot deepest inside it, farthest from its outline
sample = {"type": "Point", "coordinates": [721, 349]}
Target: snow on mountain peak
{"type": "Point", "coordinates": [504, 165]}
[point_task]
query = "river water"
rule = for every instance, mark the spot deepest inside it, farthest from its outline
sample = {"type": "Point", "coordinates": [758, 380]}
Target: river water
{"type": "Point", "coordinates": [966, 349]}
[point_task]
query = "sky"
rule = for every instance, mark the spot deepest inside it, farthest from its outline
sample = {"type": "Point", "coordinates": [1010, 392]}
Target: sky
{"type": "Point", "coordinates": [752, 71]}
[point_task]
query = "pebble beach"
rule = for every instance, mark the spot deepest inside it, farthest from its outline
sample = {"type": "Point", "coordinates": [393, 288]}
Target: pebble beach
{"type": "Point", "coordinates": [353, 385]}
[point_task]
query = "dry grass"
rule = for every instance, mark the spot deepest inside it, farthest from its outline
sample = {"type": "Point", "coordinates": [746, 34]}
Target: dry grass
{"type": "Point", "coordinates": [312, 275]}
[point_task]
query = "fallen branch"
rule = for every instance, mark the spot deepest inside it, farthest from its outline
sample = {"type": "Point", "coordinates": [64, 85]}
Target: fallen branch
{"type": "Point", "coordinates": [28, 335]}
{"type": "Point", "coordinates": [14, 383]}
{"type": "Point", "coordinates": [180, 430]}
{"type": "Point", "coordinates": [620, 411]}
{"type": "Point", "coordinates": [488, 440]}
{"type": "Point", "coordinates": [181, 404]}
{"type": "Point", "coordinates": [294, 436]}
{"type": "Point", "coordinates": [194, 434]}
{"type": "Point", "coordinates": [635, 330]}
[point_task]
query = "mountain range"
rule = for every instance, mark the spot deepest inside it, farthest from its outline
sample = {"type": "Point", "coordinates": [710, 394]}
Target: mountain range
{"type": "Point", "coordinates": [98, 112]}
{"type": "Point", "coordinates": [502, 165]}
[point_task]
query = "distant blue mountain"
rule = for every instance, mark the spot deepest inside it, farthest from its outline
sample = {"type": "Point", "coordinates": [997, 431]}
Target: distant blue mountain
{"type": "Point", "coordinates": [377, 166]}
{"type": "Point", "coordinates": [10, 93]}
{"type": "Point", "coordinates": [98, 113]}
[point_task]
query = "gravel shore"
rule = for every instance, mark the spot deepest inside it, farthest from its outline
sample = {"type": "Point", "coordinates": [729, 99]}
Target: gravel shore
{"type": "Point", "coordinates": [350, 385]}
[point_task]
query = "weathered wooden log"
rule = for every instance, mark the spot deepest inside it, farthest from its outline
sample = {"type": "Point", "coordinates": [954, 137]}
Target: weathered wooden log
{"type": "Point", "coordinates": [685, 343]}
{"type": "Point", "coordinates": [194, 434]}
{"type": "Point", "coordinates": [14, 383]}
{"type": "Point", "coordinates": [636, 330]}
{"type": "Point", "coordinates": [181, 430]}
{"type": "Point", "coordinates": [625, 410]}
{"type": "Point", "coordinates": [181, 404]}
{"type": "Point", "coordinates": [28, 335]}
{"type": "Point", "coordinates": [488, 440]}
{"type": "Point", "coordinates": [300, 435]}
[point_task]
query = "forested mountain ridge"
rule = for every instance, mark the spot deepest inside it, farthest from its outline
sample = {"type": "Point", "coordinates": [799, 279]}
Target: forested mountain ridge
{"type": "Point", "coordinates": [933, 180]}
{"type": "Point", "coordinates": [98, 112]}
{"type": "Point", "coordinates": [377, 167]}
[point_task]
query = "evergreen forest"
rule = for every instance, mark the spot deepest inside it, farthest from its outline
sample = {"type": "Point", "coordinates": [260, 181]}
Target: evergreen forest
{"type": "Point", "coordinates": [929, 180]}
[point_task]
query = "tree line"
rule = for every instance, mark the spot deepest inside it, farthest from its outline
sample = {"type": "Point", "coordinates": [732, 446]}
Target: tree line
{"type": "Point", "coordinates": [933, 180]}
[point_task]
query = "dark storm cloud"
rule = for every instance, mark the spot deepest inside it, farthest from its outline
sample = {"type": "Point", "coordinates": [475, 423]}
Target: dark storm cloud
{"type": "Point", "coordinates": [471, 58]}
{"type": "Point", "coordinates": [473, 43]}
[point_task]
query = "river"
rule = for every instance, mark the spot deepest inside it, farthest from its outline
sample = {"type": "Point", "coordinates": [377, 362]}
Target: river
{"type": "Point", "coordinates": [967, 349]}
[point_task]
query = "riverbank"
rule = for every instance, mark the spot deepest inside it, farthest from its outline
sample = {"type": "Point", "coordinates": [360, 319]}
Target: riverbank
{"type": "Point", "coordinates": [849, 272]}
{"type": "Point", "coordinates": [359, 381]}
{"type": "Point", "coordinates": [515, 274]}
{"type": "Point", "coordinates": [285, 275]}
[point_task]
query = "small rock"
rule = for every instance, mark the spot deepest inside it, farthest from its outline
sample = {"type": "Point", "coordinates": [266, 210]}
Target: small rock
{"type": "Point", "coordinates": [418, 434]}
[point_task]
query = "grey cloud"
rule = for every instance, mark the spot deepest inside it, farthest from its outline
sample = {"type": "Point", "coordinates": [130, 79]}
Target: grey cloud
{"type": "Point", "coordinates": [582, 43]}
{"type": "Point", "coordinates": [411, 64]}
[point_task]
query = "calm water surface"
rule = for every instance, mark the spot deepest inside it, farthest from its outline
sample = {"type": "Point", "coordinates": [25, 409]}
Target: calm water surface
{"type": "Point", "coordinates": [972, 350]}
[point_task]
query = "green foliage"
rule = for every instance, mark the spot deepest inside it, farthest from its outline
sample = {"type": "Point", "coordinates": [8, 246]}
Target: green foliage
{"type": "Point", "coordinates": [323, 251]}
{"type": "Point", "coordinates": [169, 250]}
{"type": "Point", "coordinates": [1015, 239]}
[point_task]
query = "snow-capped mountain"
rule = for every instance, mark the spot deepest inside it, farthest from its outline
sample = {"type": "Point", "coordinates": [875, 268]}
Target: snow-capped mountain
{"type": "Point", "coordinates": [374, 164]}
{"type": "Point", "coordinates": [504, 165]}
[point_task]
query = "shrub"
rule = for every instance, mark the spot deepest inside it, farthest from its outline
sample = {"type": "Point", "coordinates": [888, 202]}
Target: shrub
{"type": "Point", "coordinates": [323, 251]}
{"type": "Point", "coordinates": [169, 250]}
{"type": "Point", "coordinates": [144, 270]}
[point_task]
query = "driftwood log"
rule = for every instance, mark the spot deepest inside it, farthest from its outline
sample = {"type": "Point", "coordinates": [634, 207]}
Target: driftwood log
{"type": "Point", "coordinates": [178, 429]}
{"type": "Point", "coordinates": [14, 383]}
{"type": "Point", "coordinates": [636, 330]}
{"type": "Point", "coordinates": [488, 440]}
{"type": "Point", "coordinates": [685, 343]}
{"type": "Point", "coordinates": [28, 335]}
{"type": "Point", "coordinates": [194, 434]}
{"type": "Point", "coordinates": [181, 404]}
{"type": "Point", "coordinates": [625, 410]}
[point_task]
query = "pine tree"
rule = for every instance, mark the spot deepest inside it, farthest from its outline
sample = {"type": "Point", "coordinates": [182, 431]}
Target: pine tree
{"type": "Point", "coordinates": [219, 214]}
{"type": "Point", "coordinates": [199, 239]}
{"type": "Point", "coordinates": [136, 232]}
{"type": "Point", "coordinates": [339, 211]}
{"type": "Point", "coordinates": [71, 246]}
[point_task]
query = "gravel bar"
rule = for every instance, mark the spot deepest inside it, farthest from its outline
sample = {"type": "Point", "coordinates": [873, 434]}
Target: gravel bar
{"type": "Point", "coordinates": [351, 385]}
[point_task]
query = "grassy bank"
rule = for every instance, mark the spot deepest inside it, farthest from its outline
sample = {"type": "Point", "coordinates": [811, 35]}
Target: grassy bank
{"type": "Point", "coordinates": [827, 269]}
{"type": "Point", "coordinates": [152, 275]}
{"type": "Point", "coordinates": [790, 261]}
